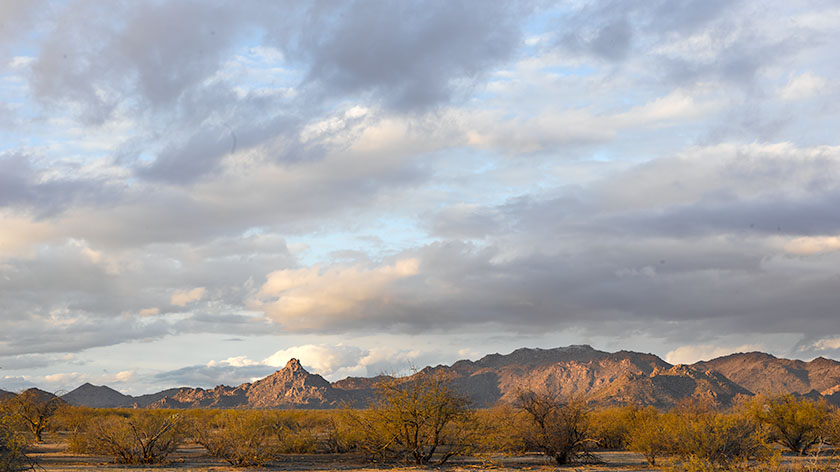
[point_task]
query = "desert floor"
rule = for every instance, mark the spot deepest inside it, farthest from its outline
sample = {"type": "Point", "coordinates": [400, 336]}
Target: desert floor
{"type": "Point", "coordinates": [51, 457]}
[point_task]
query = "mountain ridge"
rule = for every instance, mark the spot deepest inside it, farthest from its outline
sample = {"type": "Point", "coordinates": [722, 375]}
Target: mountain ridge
{"type": "Point", "coordinates": [607, 378]}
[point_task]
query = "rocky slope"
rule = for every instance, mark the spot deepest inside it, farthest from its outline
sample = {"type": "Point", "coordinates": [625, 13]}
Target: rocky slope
{"type": "Point", "coordinates": [290, 387]}
{"type": "Point", "coordinates": [759, 372]}
{"type": "Point", "coordinates": [617, 378]}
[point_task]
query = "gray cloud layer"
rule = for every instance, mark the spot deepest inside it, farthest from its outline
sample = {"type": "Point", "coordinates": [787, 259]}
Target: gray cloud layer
{"type": "Point", "coordinates": [659, 167]}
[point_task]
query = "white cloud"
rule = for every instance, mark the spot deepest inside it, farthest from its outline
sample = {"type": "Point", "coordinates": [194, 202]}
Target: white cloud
{"type": "Point", "coordinates": [827, 344]}
{"type": "Point", "coordinates": [703, 352]}
{"type": "Point", "coordinates": [339, 361]}
{"type": "Point", "coordinates": [803, 86]}
{"type": "Point", "coordinates": [310, 298]}
{"type": "Point", "coordinates": [125, 376]}
{"type": "Point", "coordinates": [237, 361]}
{"type": "Point", "coordinates": [185, 297]}
{"type": "Point", "coordinates": [322, 359]}
{"type": "Point", "coordinates": [812, 245]}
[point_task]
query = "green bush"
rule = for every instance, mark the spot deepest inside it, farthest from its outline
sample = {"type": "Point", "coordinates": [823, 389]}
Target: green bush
{"type": "Point", "coordinates": [648, 435]}
{"type": "Point", "coordinates": [716, 441]}
{"type": "Point", "coordinates": [796, 424]}
{"type": "Point", "coordinates": [419, 419]}
{"type": "Point", "coordinates": [241, 438]}
{"type": "Point", "coordinates": [13, 444]}
{"type": "Point", "coordinates": [142, 437]}
{"type": "Point", "coordinates": [611, 426]}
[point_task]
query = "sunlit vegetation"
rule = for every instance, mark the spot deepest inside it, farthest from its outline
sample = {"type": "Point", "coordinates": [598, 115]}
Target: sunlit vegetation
{"type": "Point", "coordinates": [423, 420]}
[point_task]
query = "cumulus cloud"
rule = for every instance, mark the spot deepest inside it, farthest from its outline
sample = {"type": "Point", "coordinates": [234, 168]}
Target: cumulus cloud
{"type": "Point", "coordinates": [322, 359]}
{"type": "Point", "coordinates": [606, 173]}
{"type": "Point", "coordinates": [827, 344]}
{"type": "Point", "coordinates": [312, 299]}
{"type": "Point", "coordinates": [802, 86]}
{"type": "Point", "coordinates": [185, 297]}
{"type": "Point", "coordinates": [705, 352]}
{"type": "Point", "coordinates": [812, 245]}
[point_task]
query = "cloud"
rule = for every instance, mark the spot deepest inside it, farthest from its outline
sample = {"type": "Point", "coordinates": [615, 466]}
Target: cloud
{"type": "Point", "coordinates": [412, 63]}
{"type": "Point", "coordinates": [827, 344]}
{"type": "Point", "coordinates": [311, 299]}
{"type": "Point", "coordinates": [813, 245]}
{"type": "Point", "coordinates": [705, 352]}
{"type": "Point", "coordinates": [321, 359]}
{"type": "Point", "coordinates": [185, 297]}
{"type": "Point", "coordinates": [334, 362]}
{"type": "Point", "coordinates": [805, 85]}
{"type": "Point", "coordinates": [210, 375]}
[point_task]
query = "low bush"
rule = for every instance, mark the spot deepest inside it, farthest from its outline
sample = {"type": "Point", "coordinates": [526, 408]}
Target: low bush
{"type": "Point", "coordinates": [611, 426]}
{"type": "Point", "coordinates": [142, 437]}
{"type": "Point", "coordinates": [715, 441]}
{"type": "Point", "coordinates": [13, 444]}
{"type": "Point", "coordinates": [241, 438]}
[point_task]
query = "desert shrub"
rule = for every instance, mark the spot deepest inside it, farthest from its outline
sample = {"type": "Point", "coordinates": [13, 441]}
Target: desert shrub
{"type": "Point", "coordinates": [299, 433]}
{"type": "Point", "coordinates": [647, 434]}
{"type": "Point", "coordinates": [499, 429]}
{"type": "Point", "coordinates": [715, 441]}
{"type": "Point", "coordinates": [830, 430]}
{"type": "Point", "coordinates": [611, 426]}
{"type": "Point", "coordinates": [241, 438]}
{"type": "Point", "coordinates": [558, 429]}
{"type": "Point", "coordinates": [75, 421]}
{"type": "Point", "coordinates": [796, 424]}
{"type": "Point", "coordinates": [13, 443]}
{"type": "Point", "coordinates": [143, 437]}
{"type": "Point", "coordinates": [419, 419]}
{"type": "Point", "coordinates": [35, 410]}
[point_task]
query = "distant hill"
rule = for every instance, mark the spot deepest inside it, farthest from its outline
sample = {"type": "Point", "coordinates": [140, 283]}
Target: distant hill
{"type": "Point", "coordinates": [759, 372]}
{"type": "Point", "coordinates": [97, 397]}
{"type": "Point", "coordinates": [616, 378]}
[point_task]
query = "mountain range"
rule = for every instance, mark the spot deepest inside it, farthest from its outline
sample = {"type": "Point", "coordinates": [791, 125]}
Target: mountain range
{"type": "Point", "coordinates": [617, 378]}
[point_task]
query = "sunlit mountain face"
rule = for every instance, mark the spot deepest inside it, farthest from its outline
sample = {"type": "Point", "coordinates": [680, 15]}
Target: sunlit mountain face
{"type": "Point", "coordinates": [192, 193]}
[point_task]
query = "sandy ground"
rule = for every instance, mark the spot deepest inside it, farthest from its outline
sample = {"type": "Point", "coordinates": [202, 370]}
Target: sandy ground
{"type": "Point", "coordinates": [52, 458]}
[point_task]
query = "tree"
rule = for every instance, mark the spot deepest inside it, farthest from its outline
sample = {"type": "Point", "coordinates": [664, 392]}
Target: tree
{"type": "Point", "coordinates": [13, 443]}
{"type": "Point", "coordinates": [143, 437]}
{"type": "Point", "coordinates": [420, 419]}
{"type": "Point", "coordinates": [36, 409]}
{"type": "Point", "coordinates": [561, 430]}
{"type": "Point", "coordinates": [796, 424]}
{"type": "Point", "coordinates": [647, 434]}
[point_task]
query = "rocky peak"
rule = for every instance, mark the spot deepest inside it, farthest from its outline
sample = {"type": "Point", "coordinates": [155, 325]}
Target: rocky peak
{"type": "Point", "coordinates": [294, 365]}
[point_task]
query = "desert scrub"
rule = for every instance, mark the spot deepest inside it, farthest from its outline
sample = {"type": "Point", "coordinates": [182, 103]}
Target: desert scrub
{"type": "Point", "coordinates": [795, 424]}
{"type": "Point", "coordinates": [240, 438]}
{"type": "Point", "coordinates": [419, 419]}
{"type": "Point", "coordinates": [647, 434]}
{"type": "Point", "coordinates": [711, 441]}
{"type": "Point", "coordinates": [141, 437]}
{"type": "Point", "coordinates": [13, 444]}
{"type": "Point", "coordinates": [611, 426]}
{"type": "Point", "coordinates": [499, 430]}
{"type": "Point", "coordinates": [559, 429]}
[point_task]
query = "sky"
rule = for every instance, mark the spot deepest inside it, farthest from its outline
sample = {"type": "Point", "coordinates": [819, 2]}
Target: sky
{"type": "Point", "coordinates": [193, 192]}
